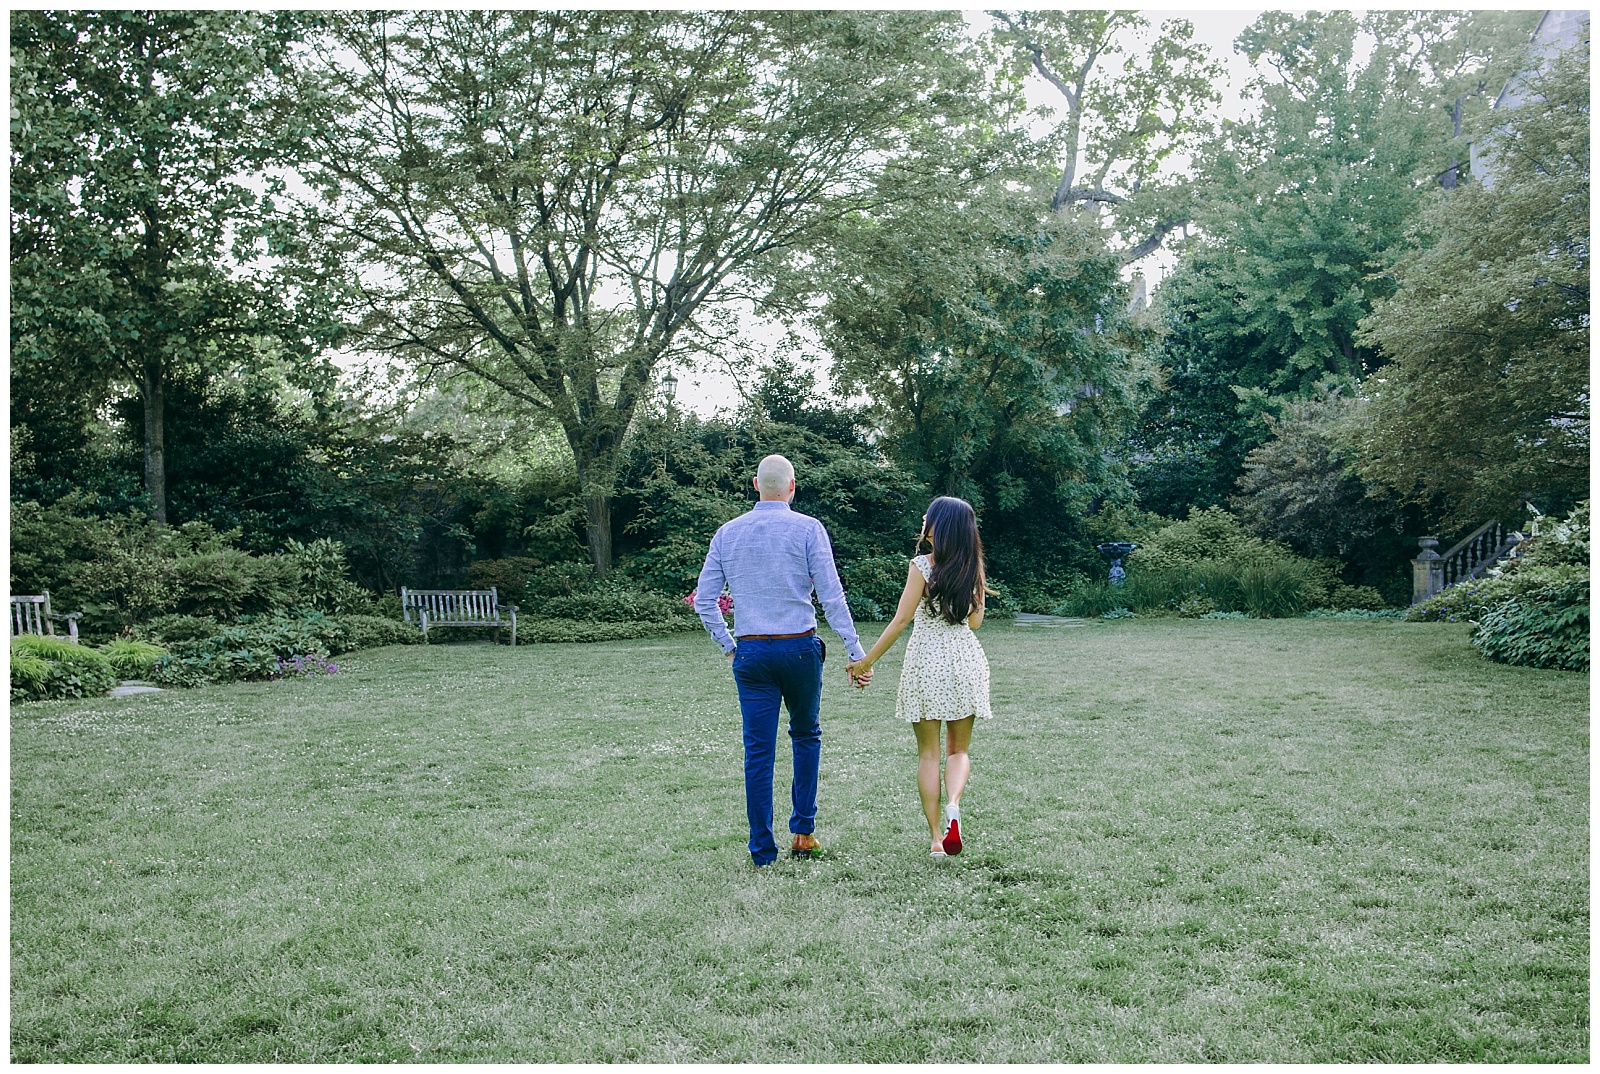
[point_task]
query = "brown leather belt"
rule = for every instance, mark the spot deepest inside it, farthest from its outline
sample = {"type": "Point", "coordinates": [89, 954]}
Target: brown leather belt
{"type": "Point", "coordinates": [776, 637]}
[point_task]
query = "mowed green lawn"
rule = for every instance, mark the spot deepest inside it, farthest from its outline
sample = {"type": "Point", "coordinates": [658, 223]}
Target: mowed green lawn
{"type": "Point", "coordinates": [1187, 840]}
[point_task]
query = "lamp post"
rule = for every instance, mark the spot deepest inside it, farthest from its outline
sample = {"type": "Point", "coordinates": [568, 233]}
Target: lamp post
{"type": "Point", "coordinates": [669, 389]}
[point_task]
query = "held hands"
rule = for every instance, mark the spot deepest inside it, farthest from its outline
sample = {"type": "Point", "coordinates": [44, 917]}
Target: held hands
{"type": "Point", "coordinates": [859, 673]}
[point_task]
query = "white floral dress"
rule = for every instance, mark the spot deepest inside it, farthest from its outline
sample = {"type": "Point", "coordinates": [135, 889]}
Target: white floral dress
{"type": "Point", "coordinates": [945, 675]}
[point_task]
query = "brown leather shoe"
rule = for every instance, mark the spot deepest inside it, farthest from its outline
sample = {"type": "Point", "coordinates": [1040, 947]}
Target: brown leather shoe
{"type": "Point", "coordinates": [803, 846]}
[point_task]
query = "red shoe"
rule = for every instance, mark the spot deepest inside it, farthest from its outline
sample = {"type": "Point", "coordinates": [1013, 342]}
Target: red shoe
{"type": "Point", "coordinates": [952, 831]}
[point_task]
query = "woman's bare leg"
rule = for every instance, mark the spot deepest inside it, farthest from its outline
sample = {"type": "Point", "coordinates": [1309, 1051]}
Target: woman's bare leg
{"type": "Point", "coordinates": [956, 763]}
{"type": "Point", "coordinates": [927, 732]}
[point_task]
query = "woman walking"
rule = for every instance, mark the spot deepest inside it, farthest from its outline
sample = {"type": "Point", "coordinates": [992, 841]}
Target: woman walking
{"type": "Point", "coordinates": [945, 679]}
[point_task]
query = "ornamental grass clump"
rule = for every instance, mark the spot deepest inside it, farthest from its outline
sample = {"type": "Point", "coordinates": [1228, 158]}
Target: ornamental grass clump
{"type": "Point", "coordinates": [131, 658]}
{"type": "Point", "coordinates": [1263, 587]}
{"type": "Point", "coordinates": [53, 668]}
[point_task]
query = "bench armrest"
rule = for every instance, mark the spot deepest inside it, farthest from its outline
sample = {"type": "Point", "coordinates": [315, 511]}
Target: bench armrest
{"type": "Point", "coordinates": [507, 607]}
{"type": "Point", "coordinates": [68, 616]}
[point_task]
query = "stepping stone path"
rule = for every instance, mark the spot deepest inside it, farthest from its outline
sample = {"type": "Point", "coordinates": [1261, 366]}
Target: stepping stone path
{"type": "Point", "coordinates": [1030, 619]}
{"type": "Point", "coordinates": [134, 686]}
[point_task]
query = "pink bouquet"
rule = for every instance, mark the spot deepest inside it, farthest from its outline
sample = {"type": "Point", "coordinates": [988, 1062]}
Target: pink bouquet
{"type": "Point", "coordinates": [724, 602]}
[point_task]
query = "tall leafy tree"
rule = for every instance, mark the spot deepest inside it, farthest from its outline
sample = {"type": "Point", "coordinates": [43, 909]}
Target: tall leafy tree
{"type": "Point", "coordinates": [992, 338]}
{"type": "Point", "coordinates": [1486, 398]}
{"type": "Point", "coordinates": [1301, 207]}
{"type": "Point", "coordinates": [554, 201]}
{"type": "Point", "coordinates": [1309, 196]}
{"type": "Point", "coordinates": [135, 135]}
{"type": "Point", "coordinates": [1133, 96]}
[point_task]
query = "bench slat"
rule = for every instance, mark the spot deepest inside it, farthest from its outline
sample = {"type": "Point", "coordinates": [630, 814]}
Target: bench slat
{"type": "Point", "coordinates": [457, 607]}
{"type": "Point", "coordinates": [30, 614]}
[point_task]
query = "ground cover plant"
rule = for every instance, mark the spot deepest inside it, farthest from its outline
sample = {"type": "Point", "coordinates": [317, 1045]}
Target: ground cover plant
{"type": "Point", "coordinates": [1189, 840]}
{"type": "Point", "coordinates": [50, 667]}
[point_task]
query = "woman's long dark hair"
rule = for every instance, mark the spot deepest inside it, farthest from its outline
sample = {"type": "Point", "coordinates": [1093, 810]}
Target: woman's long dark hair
{"type": "Point", "coordinates": [958, 574]}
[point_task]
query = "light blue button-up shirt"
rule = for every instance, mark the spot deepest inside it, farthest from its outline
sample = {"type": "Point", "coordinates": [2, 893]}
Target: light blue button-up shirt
{"type": "Point", "coordinates": [772, 558]}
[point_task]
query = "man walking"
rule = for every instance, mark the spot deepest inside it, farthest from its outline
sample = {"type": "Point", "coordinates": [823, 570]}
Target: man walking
{"type": "Point", "coordinates": [772, 558]}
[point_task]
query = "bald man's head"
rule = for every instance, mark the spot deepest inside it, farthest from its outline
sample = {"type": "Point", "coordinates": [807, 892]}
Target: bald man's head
{"type": "Point", "coordinates": [774, 477]}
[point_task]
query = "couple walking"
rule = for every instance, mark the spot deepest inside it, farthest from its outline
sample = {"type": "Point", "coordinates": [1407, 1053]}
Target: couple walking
{"type": "Point", "coordinates": [773, 559]}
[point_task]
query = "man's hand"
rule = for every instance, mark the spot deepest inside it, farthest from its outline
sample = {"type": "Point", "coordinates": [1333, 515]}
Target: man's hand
{"type": "Point", "coordinates": [731, 656]}
{"type": "Point", "coordinates": [859, 672]}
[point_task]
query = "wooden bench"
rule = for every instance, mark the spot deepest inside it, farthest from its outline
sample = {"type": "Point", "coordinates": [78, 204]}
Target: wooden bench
{"type": "Point", "coordinates": [457, 608]}
{"type": "Point", "coordinates": [32, 615]}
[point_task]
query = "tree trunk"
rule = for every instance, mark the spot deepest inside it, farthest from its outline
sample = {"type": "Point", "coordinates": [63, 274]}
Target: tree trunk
{"type": "Point", "coordinates": [153, 394]}
{"type": "Point", "coordinates": [597, 480]}
{"type": "Point", "coordinates": [1453, 176]}
{"type": "Point", "coordinates": [597, 527]}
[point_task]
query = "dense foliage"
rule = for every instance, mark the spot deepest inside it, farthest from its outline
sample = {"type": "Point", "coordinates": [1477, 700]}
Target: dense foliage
{"type": "Point", "coordinates": [1301, 488]}
{"type": "Point", "coordinates": [1207, 564]}
{"type": "Point", "coordinates": [1533, 610]}
{"type": "Point", "coordinates": [1546, 627]}
{"type": "Point", "coordinates": [140, 142]}
{"type": "Point", "coordinates": [1487, 397]}
{"type": "Point", "coordinates": [253, 647]}
{"type": "Point", "coordinates": [515, 221]}
{"type": "Point", "coordinates": [51, 668]}
{"type": "Point", "coordinates": [1307, 201]}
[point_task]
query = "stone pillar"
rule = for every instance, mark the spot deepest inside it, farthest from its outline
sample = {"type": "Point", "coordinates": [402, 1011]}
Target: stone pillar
{"type": "Point", "coordinates": [1427, 571]}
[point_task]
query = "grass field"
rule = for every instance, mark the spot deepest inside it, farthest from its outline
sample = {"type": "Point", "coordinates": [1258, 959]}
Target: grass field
{"type": "Point", "coordinates": [1187, 841]}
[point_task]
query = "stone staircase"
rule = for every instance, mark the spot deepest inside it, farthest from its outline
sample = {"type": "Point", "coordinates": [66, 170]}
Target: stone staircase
{"type": "Point", "coordinates": [1470, 557]}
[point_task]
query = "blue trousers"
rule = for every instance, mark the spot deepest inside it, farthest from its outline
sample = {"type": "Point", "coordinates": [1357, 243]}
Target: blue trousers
{"type": "Point", "coordinates": [786, 670]}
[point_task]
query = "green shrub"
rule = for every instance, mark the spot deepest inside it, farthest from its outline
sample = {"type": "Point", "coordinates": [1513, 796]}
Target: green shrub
{"type": "Point", "coordinates": [607, 603]}
{"type": "Point", "coordinates": [131, 658]}
{"type": "Point", "coordinates": [68, 670]}
{"type": "Point", "coordinates": [1343, 597]}
{"type": "Point", "coordinates": [246, 650]}
{"type": "Point", "coordinates": [1471, 600]}
{"type": "Point", "coordinates": [1000, 604]}
{"type": "Point", "coordinates": [1546, 627]}
{"type": "Point", "coordinates": [1278, 588]}
{"type": "Point", "coordinates": [121, 571]}
{"type": "Point", "coordinates": [879, 579]}
{"type": "Point", "coordinates": [201, 666]}
{"type": "Point", "coordinates": [375, 631]}
{"type": "Point", "coordinates": [1042, 594]}
{"type": "Point", "coordinates": [324, 578]}
{"type": "Point", "coordinates": [569, 630]}
{"type": "Point", "coordinates": [170, 628]}
{"type": "Point", "coordinates": [252, 647]}
{"type": "Point", "coordinates": [29, 673]}
{"type": "Point", "coordinates": [1564, 543]}
{"type": "Point", "coordinates": [507, 577]}
{"type": "Point", "coordinates": [1354, 613]}
{"type": "Point", "coordinates": [1208, 563]}
{"type": "Point", "coordinates": [1207, 534]}
{"type": "Point", "coordinates": [867, 610]}
{"type": "Point", "coordinates": [559, 580]}
{"type": "Point", "coordinates": [229, 582]}
{"type": "Point", "coordinates": [1265, 587]}
{"type": "Point", "coordinates": [1091, 600]}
